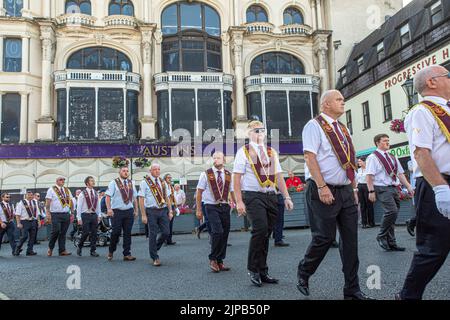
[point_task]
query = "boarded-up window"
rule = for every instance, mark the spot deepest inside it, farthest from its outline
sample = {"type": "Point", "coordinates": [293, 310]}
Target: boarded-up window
{"type": "Point", "coordinates": [110, 114]}
{"type": "Point", "coordinates": [82, 114]}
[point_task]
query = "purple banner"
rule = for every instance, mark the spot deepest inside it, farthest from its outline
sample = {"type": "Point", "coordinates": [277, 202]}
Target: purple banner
{"type": "Point", "coordinates": [94, 150]}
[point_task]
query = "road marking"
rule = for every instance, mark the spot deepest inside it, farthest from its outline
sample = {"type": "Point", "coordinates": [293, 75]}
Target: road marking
{"type": "Point", "coordinates": [4, 297]}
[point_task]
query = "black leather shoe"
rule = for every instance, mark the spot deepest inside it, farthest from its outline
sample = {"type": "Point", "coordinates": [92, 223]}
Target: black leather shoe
{"type": "Point", "coordinates": [32, 253]}
{"type": "Point", "coordinates": [37, 243]}
{"type": "Point", "coordinates": [171, 243]}
{"type": "Point", "coordinates": [255, 278]}
{"type": "Point", "coordinates": [16, 252]}
{"type": "Point", "coordinates": [268, 279]}
{"type": "Point", "coordinates": [396, 248]}
{"type": "Point", "coordinates": [357, 296]}
{"type": "Point", "coordinates": [281, 244]}
{"type": "Point", "coordinates": [303, 286]}
{"type": "Point", "coordinates": [94, 254]}
{"type": "Point", "coordinates": [383, 244]}
{"type": "Point", "coordinates": [197, 232]}
{"type": "Point", "coordinates": [335, 244]}
{"type": "Point", "coordinates": [410, 228]}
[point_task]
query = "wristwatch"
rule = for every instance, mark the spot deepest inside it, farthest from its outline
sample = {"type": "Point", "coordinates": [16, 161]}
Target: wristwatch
{"type": "Point", "coordinates": [372, 191]}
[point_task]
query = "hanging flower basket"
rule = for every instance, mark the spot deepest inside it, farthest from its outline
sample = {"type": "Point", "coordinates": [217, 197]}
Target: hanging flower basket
{"type": "Point", "coordinates": [142, 162]}
{"type": "Point", "coordinates": [397, 125]}
{"type": "Point", "coordinates": [120, 162]}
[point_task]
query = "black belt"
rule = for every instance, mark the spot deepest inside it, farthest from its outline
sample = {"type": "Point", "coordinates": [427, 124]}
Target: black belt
{"type": "Point", "coordinates": [269, 193]}
{"type": "Point", "coordinates": [59, 212]}
{"type": "Point", "coordinates": [339, 186]}
{"type": "Point", "coordinates": [218, 205]}
{"type": "Point", "coordinates": [90, 212]}
{"type": "Point", "coordinates": [446, 176]}
{"type": "Point", "coordinates": [155, 208]}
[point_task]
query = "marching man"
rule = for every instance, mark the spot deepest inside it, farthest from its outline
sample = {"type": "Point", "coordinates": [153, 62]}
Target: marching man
{"type": "Point", "coordinates": [88, 215]}
{"type": "Point", "coordinates": [7, 221]}
{"type": "Point", "coordinates": [121, 205]}
{"type": "Point", "coordinates": [256, 175]}
{"type": "Point", "coordinates": [428, 129]}
{"type": "Point", "coordinates": [214, 188]}
{"type": "Point", "coordinates": [384, 174]}
{"type": "Point", "coordinates": [156, 210]}
{"type": "Point", "coordinates": [59, 203]}
{"type": "Point", "coordinates": [28, 220]}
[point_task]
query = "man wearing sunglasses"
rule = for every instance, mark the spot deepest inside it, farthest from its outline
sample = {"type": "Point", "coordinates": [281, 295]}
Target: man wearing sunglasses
{"type": "Point", "coordinates": [428, 128]}
{"type": "Point", "coordinates": [7, 221]}
{"type": "Point", "coordinates": [257, 175]}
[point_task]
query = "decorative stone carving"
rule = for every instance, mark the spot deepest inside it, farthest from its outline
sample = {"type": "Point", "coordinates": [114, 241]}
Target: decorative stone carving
{"type": "Point", "coordinates": [147, 46]}
{"type": "Point", "coordinates": [48, 43]}
{"type": "Point", "coordinates": [158, 36]}
{"type": "Point", "coordinates": [99, 38]}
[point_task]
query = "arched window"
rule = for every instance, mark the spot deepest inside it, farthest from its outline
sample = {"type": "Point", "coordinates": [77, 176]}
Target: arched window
{"type": "Point", "coordinates": [292, 16]}
{"type": "Point", "coordinates": [191, 41]}
{"type": "Point", "coordinates": [256, 13]}
{"type": "Point", "coordinates": [99, 58]}
{"type": "Point", "coordinates": [78, 6]}
{"type": "Point", "coordinates": [13, 7]}
{"type": "Point", "coordinates": [276, 63]}
{"type": "Point", "coordinates": [121, 7]}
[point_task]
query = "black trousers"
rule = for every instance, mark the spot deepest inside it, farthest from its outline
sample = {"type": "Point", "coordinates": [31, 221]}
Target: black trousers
{"type": "Point", "coordinates": [367, 212]}
{"type": "Point", "coordinates": [278, 230]}
{"type": "Point", "coordinates": [219, 223]}
{"type": "Point", "coordinates": [157, 220]}
{"type": "Point", "coordinates": [262, 211]}
{"type": "Point", "coordinates": [89, 227]}
{"type": "Point", "coordinates": [122, 220]}
{"type": "Point", "coordinates": [323, 218]}
{"type": "Point", "coordinates": [432, 241]}
{"type": "Point", "coordinates": [28, 233]}
{"type": "Point", "coordinates": [60, 224]}
{"type": "Point", "coordinates": [169, 238]}
{"type": "Point", "coordinates": [10, 231]}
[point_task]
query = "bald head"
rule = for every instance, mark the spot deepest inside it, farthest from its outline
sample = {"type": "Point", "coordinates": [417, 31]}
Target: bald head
{"type": "Point", "coordinates": [332, 103]}
{"type": "Point", "coordinates": [432, 81]}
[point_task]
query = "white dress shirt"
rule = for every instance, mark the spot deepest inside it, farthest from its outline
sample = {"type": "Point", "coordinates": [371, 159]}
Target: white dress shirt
{"type": "Point", "coordinates": [116, 197]}
{"type": "Point", "coordinates": [180, 197]}
{"type": "Point", "coordinates": [315, 141]}
{"type": "Point", "coordinates": [55, 205]}
{"type": "Point", "coordinates": [22, 211]}
{"type": "Point", "coordinates": [82, 205]}
{"type": "Point", "coordinates": [203, 184]}
{"type": "Point", "coordinates": [424, 132]}
{"type": "Point", "coordinates": [375, 168]}
{"type": "Point", "coordinates": [147, 194]}
{"type": "Point", "coordinates": [2, 213]}
{"type": "Point", "coordinates": [249, 182]}
{"type": "Point", "coordinates": [361, 176]}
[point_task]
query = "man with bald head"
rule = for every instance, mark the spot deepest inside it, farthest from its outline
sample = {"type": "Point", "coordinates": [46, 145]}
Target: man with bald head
{"type": "Point", "coordinates": [428, 129]}
{"type": "Point", "coordinates": [331, 194]}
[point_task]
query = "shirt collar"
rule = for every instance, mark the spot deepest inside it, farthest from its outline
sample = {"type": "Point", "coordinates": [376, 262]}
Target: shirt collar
{"type": "Point", "coordinates": [382, 152]}
{"type": "Point", "coordinates": [215, 169]}
{"type": "Point", "coordinates": [255, 145]}
{"type": "Point", "coordinates": [329, 119]}
{"type": "Point", "coordinates": [439, 100]}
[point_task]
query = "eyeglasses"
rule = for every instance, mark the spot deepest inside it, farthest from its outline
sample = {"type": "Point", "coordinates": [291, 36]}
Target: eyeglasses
{"type": "Point", "coordinates": [442, 75]}
{"type": "Point", "coordinates": [259, 130]}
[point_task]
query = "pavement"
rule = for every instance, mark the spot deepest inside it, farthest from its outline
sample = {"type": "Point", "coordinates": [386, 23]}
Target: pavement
{"type": "Point", "coordinates": [185, 274]}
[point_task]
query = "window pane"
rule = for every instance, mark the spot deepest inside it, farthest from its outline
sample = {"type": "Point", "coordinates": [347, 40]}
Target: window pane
{"type": "Point", "coordinates": [169, 20]}
{"type": "Point", "coordinates": [191, 16]}
{"type": "Point", "coordinates": [212, 22]}
{"type": "Point", "coordinates": [128, 10]}
{"type": "Point", "coordinates": [287, 18]}
{"type": "Point", "coordinates": [300, 111]}
{"type": "Point", "coordinates": [193, 61]}
{"type": "Point", "coordinates": [114, 9]}
{"type": "Point", "coordinates": [214, 61]}
{"type": "Point", "coordinates": [123, 62]}
{"type": "Point", "coordinates": [254, 106]}
{"type": "Point", "coordinates": [61, 113]}
{"type": "Point", "coordinates": [276, 113]}
{"type": "Point", "coordinates": [13, 7]}
{"type": "Point", "coordinates": [82, 114]}
{"type": "Point", "coordinates": [284, 64]}
{"type": "Point", "coordinates": [209, 109]}
{"type": "Point", "coordinates": [250, 17]}
{"type": "Point", "coordinates": [315, 100]}
{"type": "Point", "coordinates": [99, 58]}
{"type": "Point", "coordinates": [110, 114]}
{"type": "Point", "coordinates": [85, 8]}
{"type": "Point", "coordinates": [132, 114]}
{"type": "Point", "coordinates": [227, 108]}
{"type": "Point", "coordinates": [276, 63]}
{"type": "Point", "coordinates": [72, 7]}
{"type": "Point", "coordinates": [257, 66]}
{"type": "Point", "coordinates": [10, 124]}
{"type": "Point", "coordinates": [91, 58]}
{"type": "Point", "coordinates": [171, 61]}
{"type": "Point", "coordinates": [163, 113]}
{"type": "Point", "coordinates": [183, 110]}
{"type": "Point", "coordinates": [13, 55]}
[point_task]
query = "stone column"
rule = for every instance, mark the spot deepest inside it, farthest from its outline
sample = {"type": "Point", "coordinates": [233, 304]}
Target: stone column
{"type": "Point", "coordinates": [46, 8]}
{"type": "Point", "coordinates": [148, 122]}
{"type": "Point", "coordinates": [26, 12]}
{"type": "Point", "coordinates": [46, 122]}
{"type": "Point", "coordinates": [24, 116]}
{"type": "Point", "coordinates": [25, 53]}
{"type": "Point", "coordinates": [321, 51]}
{"type": "Point", "coordinates": [319, 15]}
{"type": "Point", "coordinates": [313, 15]}
{"type": "Point", "coordinates": [237, 39]}
{"type": "Point", "coordinates": [2, 39]}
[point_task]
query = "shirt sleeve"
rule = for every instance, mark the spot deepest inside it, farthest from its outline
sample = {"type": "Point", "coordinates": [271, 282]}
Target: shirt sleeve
{"type": "Point", "coordinates": [202, 183]}
{"type": "Point", "coordinates": [240, 162]}
{"type": "Point", "coordinates": [232, 184]}
{"type": "Point", "coordinates": [19, 207]}
{"type": "Point", "coordinates": [400, 168]}
{"type": "Point", "coordinates": [79, 205]}
{"type": "Point", "coordinates": [421, 128]}
{"type": "Point", "coordinates": [111, 189]}
{"type": "Point", "coordinates": [311, 137]}
{"type": "Point", "coordinates": [49, 194]}
{"type": "Point", "coordinates": [142, 189]}
{"type": "Point", "coordinates": [371, 167]}
{"type": "Point", "coordinates": [135, 193]}
{"type": "Point", "coordinates": [99, 209]}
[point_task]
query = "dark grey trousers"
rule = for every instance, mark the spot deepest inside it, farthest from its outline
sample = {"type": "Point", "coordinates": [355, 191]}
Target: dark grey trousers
{"type": "Point", "coordinates": [60, 224]}
{"type": "Point", "coordinates": [157, 220]}
{"type": "Point", "coordinates": [390, 203]}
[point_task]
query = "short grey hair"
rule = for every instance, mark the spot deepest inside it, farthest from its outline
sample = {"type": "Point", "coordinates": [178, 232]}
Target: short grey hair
{"type": "Point", "coordinates": [326, 96]}
{"type": "Point", "coordinates": [153, 165]}
{"type": "Point", "coordinates": [421, 77]}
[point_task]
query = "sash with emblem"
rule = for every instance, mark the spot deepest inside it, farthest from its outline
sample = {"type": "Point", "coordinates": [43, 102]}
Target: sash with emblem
{"type": "Point", "coordinates": [390, 167]}
{"type": "Point", "coordinates": [172, 195]}
{"type": "Point", "coordinates": [31, 210]}
{"type": "Point", "coordinates": [344, 150]}
{"type": "Point", "coordinates": [158, 193]}
{"type": "Point", "coordinates": [441, 115]}
{"type": "Point", "coordinates": [220, 193]}
{"type": "Point", "coordinates": [125, 192]}
{"type": "Point", "coordinates": [264, 173]}
{"type": "Point", "coordinates": [64, 199]}
{"type": "Point", "coordinates": [7, 211]}
{"type": "Point", "coordinates": [91, 202]}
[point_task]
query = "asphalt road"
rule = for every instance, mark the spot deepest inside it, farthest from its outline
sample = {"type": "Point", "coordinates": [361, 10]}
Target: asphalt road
{"type": "Point", "coordinates": [185, 273]}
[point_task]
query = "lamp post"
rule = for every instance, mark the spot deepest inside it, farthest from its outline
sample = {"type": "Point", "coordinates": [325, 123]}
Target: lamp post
{"type": "Point", "coordinates": [408, 87]}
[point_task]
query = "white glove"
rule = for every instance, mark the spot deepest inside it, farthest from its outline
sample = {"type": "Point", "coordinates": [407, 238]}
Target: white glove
{"type": "Point", "coordinates": [442, 197]}
{"type": "Point", "coordinates": [177, 211]}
